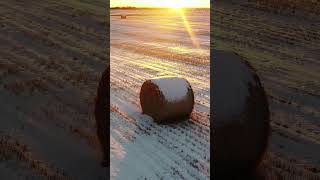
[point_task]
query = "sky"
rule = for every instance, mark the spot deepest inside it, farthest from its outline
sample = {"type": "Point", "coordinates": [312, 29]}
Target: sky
{"type": "Point", "coordinates": [161, 3]}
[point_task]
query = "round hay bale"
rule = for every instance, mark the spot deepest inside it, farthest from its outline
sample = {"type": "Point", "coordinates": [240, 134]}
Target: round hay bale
{"type": "Point", "coordinates": [102, 107]}
{"type": "Point", "coordinates": [167, 99]}
{"type": "Point", "coordinates": [240, 117]}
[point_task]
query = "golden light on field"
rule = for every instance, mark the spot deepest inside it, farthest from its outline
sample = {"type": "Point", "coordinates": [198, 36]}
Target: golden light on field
{"type": "Point", "coordinates": [176, 5]}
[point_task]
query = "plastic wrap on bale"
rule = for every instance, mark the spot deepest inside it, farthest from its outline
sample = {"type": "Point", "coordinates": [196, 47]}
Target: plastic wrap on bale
{"type": "Point", "coordinates": [240, 116]}
{"type": "Point", "coordinates": [167, 99]}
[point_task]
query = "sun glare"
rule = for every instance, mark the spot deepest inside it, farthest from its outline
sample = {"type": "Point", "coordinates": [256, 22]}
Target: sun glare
{"type": "Point", "coordinates": [176, 4]}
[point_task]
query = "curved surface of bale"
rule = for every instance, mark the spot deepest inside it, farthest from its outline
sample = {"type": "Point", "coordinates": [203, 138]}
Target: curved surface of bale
{"type": "Point", "coordinates": [167, 99]}
{"type": "Point", "coordinates": [102, 117]}
{"type": "Point", "coordinates": [240, 116]}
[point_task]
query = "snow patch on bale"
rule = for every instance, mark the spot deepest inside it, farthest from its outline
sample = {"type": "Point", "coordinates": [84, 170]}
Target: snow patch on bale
{"type": "Point", "coordinates": [167, 99]}
{"type": "Point", "coordinates": [174, 89]}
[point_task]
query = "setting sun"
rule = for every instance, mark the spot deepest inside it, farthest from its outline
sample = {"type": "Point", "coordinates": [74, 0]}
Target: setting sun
{"type": "Point", "coordinates": [176, 4]}
{"type": "Point", "coordinates": [162, 3]}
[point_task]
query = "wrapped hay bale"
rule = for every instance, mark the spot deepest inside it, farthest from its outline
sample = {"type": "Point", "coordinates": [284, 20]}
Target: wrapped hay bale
{"type": "Point", "coordinates": [167, 99]}
{"type": "Point", "coordinates": [240, 117]}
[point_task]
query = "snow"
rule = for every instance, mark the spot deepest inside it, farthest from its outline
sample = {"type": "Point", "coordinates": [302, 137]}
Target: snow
{"type": "Point", "coordinates": [141, 148]}
{"type": "Point", "coordinates": [173, 89]}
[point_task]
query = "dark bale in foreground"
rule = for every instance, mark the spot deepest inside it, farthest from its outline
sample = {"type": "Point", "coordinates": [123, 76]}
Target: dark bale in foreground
{"type": "Point", "coordinates": [167, 100]}
{"type": "Point", "coordinates": [240, 117]}
{"type": "Point", "coordinates": [102, 115]}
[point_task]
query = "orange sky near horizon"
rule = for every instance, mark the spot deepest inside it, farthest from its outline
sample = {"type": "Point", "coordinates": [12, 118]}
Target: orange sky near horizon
{"type": "Point", "coordinates": [161, 3]}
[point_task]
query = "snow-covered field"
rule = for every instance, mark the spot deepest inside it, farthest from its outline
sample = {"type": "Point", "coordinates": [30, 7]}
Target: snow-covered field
{"type": "Point", "coordinates": [144, 47]}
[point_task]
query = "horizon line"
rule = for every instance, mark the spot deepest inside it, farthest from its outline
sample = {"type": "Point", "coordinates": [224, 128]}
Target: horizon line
{"type": "Point", "coordinates": [154, 7]}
